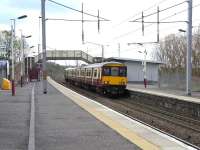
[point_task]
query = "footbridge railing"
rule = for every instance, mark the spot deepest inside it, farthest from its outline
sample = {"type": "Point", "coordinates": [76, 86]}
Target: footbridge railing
{"type": "Point", "coordinates": [66, 55]}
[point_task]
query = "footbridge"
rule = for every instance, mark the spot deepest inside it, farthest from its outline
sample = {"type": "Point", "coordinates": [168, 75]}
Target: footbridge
{"type": "Point", "coordinates": [68, 55]}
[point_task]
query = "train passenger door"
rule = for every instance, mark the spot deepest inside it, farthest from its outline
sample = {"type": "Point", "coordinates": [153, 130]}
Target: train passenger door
{"type": "Point", "coordinates": [93, 76]}
{"type": "Point", "coordinates": [100, 72]}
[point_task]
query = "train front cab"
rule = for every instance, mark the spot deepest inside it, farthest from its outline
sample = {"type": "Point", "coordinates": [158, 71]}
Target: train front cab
{"type": "Point", "coordinates": [114, 79]}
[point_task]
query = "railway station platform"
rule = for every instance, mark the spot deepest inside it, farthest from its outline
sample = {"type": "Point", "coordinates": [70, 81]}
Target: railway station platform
{"type": "Point", "coordinates": [66, 120]}
{"type": "Point", "coordinates": [14, 118]}
{"type": "Point", "coordinates": [170, 93]}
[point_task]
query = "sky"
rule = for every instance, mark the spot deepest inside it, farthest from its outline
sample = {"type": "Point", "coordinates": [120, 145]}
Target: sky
{"type": "Point", "coordinates": [66, 35]}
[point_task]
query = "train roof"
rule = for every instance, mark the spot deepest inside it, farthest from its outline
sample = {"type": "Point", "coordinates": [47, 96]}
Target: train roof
{"type": "Point", "coordinates": [96, 65]}
{"type": "Point", "coordinates": [123, 60]}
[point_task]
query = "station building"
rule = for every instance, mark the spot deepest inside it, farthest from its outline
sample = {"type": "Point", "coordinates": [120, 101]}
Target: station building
{"type": "Point", "coordinates": [135, 68]}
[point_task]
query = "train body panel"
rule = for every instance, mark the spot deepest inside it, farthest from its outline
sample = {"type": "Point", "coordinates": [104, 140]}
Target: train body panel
{"type": "Point", "coordinates": [114, 80]}
{"type": "Point", "coordinates": [107, 77]}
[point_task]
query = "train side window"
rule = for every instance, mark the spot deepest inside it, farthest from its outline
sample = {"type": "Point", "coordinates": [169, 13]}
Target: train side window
{"type": "Point", "coordinates": [87, 73]}
{"type": "Point", "coordinates": [90, 73]}
{"type": "Point", "coordinates": [82, 72]}
{"type": "Point", "coordinates": [79, 72]}
{"type": "Point", "coordinates": [106, 71]}
{"type": "Point", "coordinates": [95, 73]}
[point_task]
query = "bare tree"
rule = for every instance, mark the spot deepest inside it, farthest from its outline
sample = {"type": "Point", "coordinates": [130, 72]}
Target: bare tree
{"type": "Point", "coordinates": [172, 51]}
{"type": "Point", "coordinates": [196, 53]}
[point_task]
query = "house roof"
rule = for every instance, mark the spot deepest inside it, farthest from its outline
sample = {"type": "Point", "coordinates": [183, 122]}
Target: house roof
{"type": "Point", "coordinates": [120, 59]}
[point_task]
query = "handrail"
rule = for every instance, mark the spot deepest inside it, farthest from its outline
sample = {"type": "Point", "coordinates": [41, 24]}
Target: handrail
{"type": "Point", "coordinates": [67, 55]}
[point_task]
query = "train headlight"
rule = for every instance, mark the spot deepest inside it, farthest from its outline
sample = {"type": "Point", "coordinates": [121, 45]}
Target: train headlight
{"type": "Point", "coordinates": [106, 82]}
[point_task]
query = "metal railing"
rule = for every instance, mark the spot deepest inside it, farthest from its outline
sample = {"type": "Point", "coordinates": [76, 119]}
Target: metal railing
{"type": "Point", "coordinates": [66, 55]}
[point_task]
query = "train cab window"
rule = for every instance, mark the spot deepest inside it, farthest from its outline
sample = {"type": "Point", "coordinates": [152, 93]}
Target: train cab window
{"type": "Point", "coordinates": [114, 71]}
{"type": "Point", "coordinates": [106, 71]}
{"type": "Point", "coordinates": [122, 71]}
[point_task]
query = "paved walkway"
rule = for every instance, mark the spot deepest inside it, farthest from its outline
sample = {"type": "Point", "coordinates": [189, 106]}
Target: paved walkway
{"type": "Point", "coordinates": [63, 125]}
{"type": "Point", "coordinates": [14, 118]}
{"type": "Point", "coordinates": [155, 88]}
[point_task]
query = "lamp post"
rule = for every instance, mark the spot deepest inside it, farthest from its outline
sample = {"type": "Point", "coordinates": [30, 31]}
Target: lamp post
{"type": "Point", "coordinates": [12, 74]}
{"type": "Point", "coordinates": [181, 30]}
{"type": "Point", "coordinates": [145, 67]}
{"type": "Point", "coordinates": [188, 58]}
{"type": "Point", "coordinates": [144, 61]}
{"type": "Point", "coordinates": [12, 55]}
{"type": "Point", "coordinates": [44, 47]}
{"type": "Point", "coordinates": [22, 57]}
{"type": "Point", "coordinates": [189, 50]}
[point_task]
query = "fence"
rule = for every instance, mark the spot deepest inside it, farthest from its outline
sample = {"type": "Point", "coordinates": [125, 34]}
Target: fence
{"type": "Point", "coordinates": [177, 80]}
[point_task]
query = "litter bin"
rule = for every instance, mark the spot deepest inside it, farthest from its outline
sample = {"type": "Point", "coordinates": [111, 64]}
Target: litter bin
{"type": "Point", "coordinates": [6, 85]}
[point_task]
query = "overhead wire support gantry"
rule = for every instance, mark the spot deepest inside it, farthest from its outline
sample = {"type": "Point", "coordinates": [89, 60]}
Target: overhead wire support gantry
{"type": "Point", "coordinates": [158, 22]}
{"type": "Point", "coordinates": [161, 20]}
{"type": "Point", "coordinates": [77, 10]}
{"type": "Point", "coordinates": [82, 16]}
{"type": "Point", "coordinates": [160, 11]}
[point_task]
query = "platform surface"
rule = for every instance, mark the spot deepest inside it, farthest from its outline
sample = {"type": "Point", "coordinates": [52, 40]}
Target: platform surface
{"type": "Point", "coordinates": [142, 136]}
{"type": "Point", "coordinates": [63, 125]}
{"type": "Point", "coordinates": [66, 120]}
{"type": "Point", "coordinates": [154, 90]}
{"type": "Point", "coordinates": [14, 118]}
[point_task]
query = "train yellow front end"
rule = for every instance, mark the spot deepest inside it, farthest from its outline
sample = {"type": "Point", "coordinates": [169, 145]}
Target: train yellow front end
{"type": "Point", "coordinates": [114, 78]}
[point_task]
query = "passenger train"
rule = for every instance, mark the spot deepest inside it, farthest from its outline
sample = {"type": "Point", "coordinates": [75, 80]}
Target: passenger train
{"type": "Point", "coordinates": [109, 78]}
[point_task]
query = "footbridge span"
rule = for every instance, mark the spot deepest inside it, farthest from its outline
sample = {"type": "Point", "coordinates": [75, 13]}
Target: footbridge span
{"type": "Point", "coordinates": [68, 55]}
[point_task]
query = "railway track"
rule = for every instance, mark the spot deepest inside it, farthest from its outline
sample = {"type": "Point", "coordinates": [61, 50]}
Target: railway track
{"type": "Point", "coordinates": [186, 129]}
{"type": "Point", "coordinates": [192, 123]}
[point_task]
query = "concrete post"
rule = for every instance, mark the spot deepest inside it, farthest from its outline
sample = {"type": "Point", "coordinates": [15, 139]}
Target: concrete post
{"type": "Point", "coordinates": [44, 47]}
{"type": "Point", "coordinates": [189, 49]}
{"type": "Point", "coordinates": [12, 75]}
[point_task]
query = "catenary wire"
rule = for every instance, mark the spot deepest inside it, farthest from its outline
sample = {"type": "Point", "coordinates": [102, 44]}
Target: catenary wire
{"type": "Point", "coordinates": [77, 10]}
{"type": "Point", "coordinates": [178, 4]}
{"type": "Point", "coordinates": [160, 2]}
{"type": "Point", "coordinates": [130, 32]}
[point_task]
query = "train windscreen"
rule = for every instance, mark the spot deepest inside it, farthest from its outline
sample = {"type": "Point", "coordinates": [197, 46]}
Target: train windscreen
{"type": "Point", "coordinates": [114, 71]}
{"type": "Point", "coordinates": [122, 71]}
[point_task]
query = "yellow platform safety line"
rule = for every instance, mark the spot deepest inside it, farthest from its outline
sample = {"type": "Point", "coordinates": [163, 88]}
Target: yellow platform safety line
{"type": "Point", "coordinates": [115, 125]}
